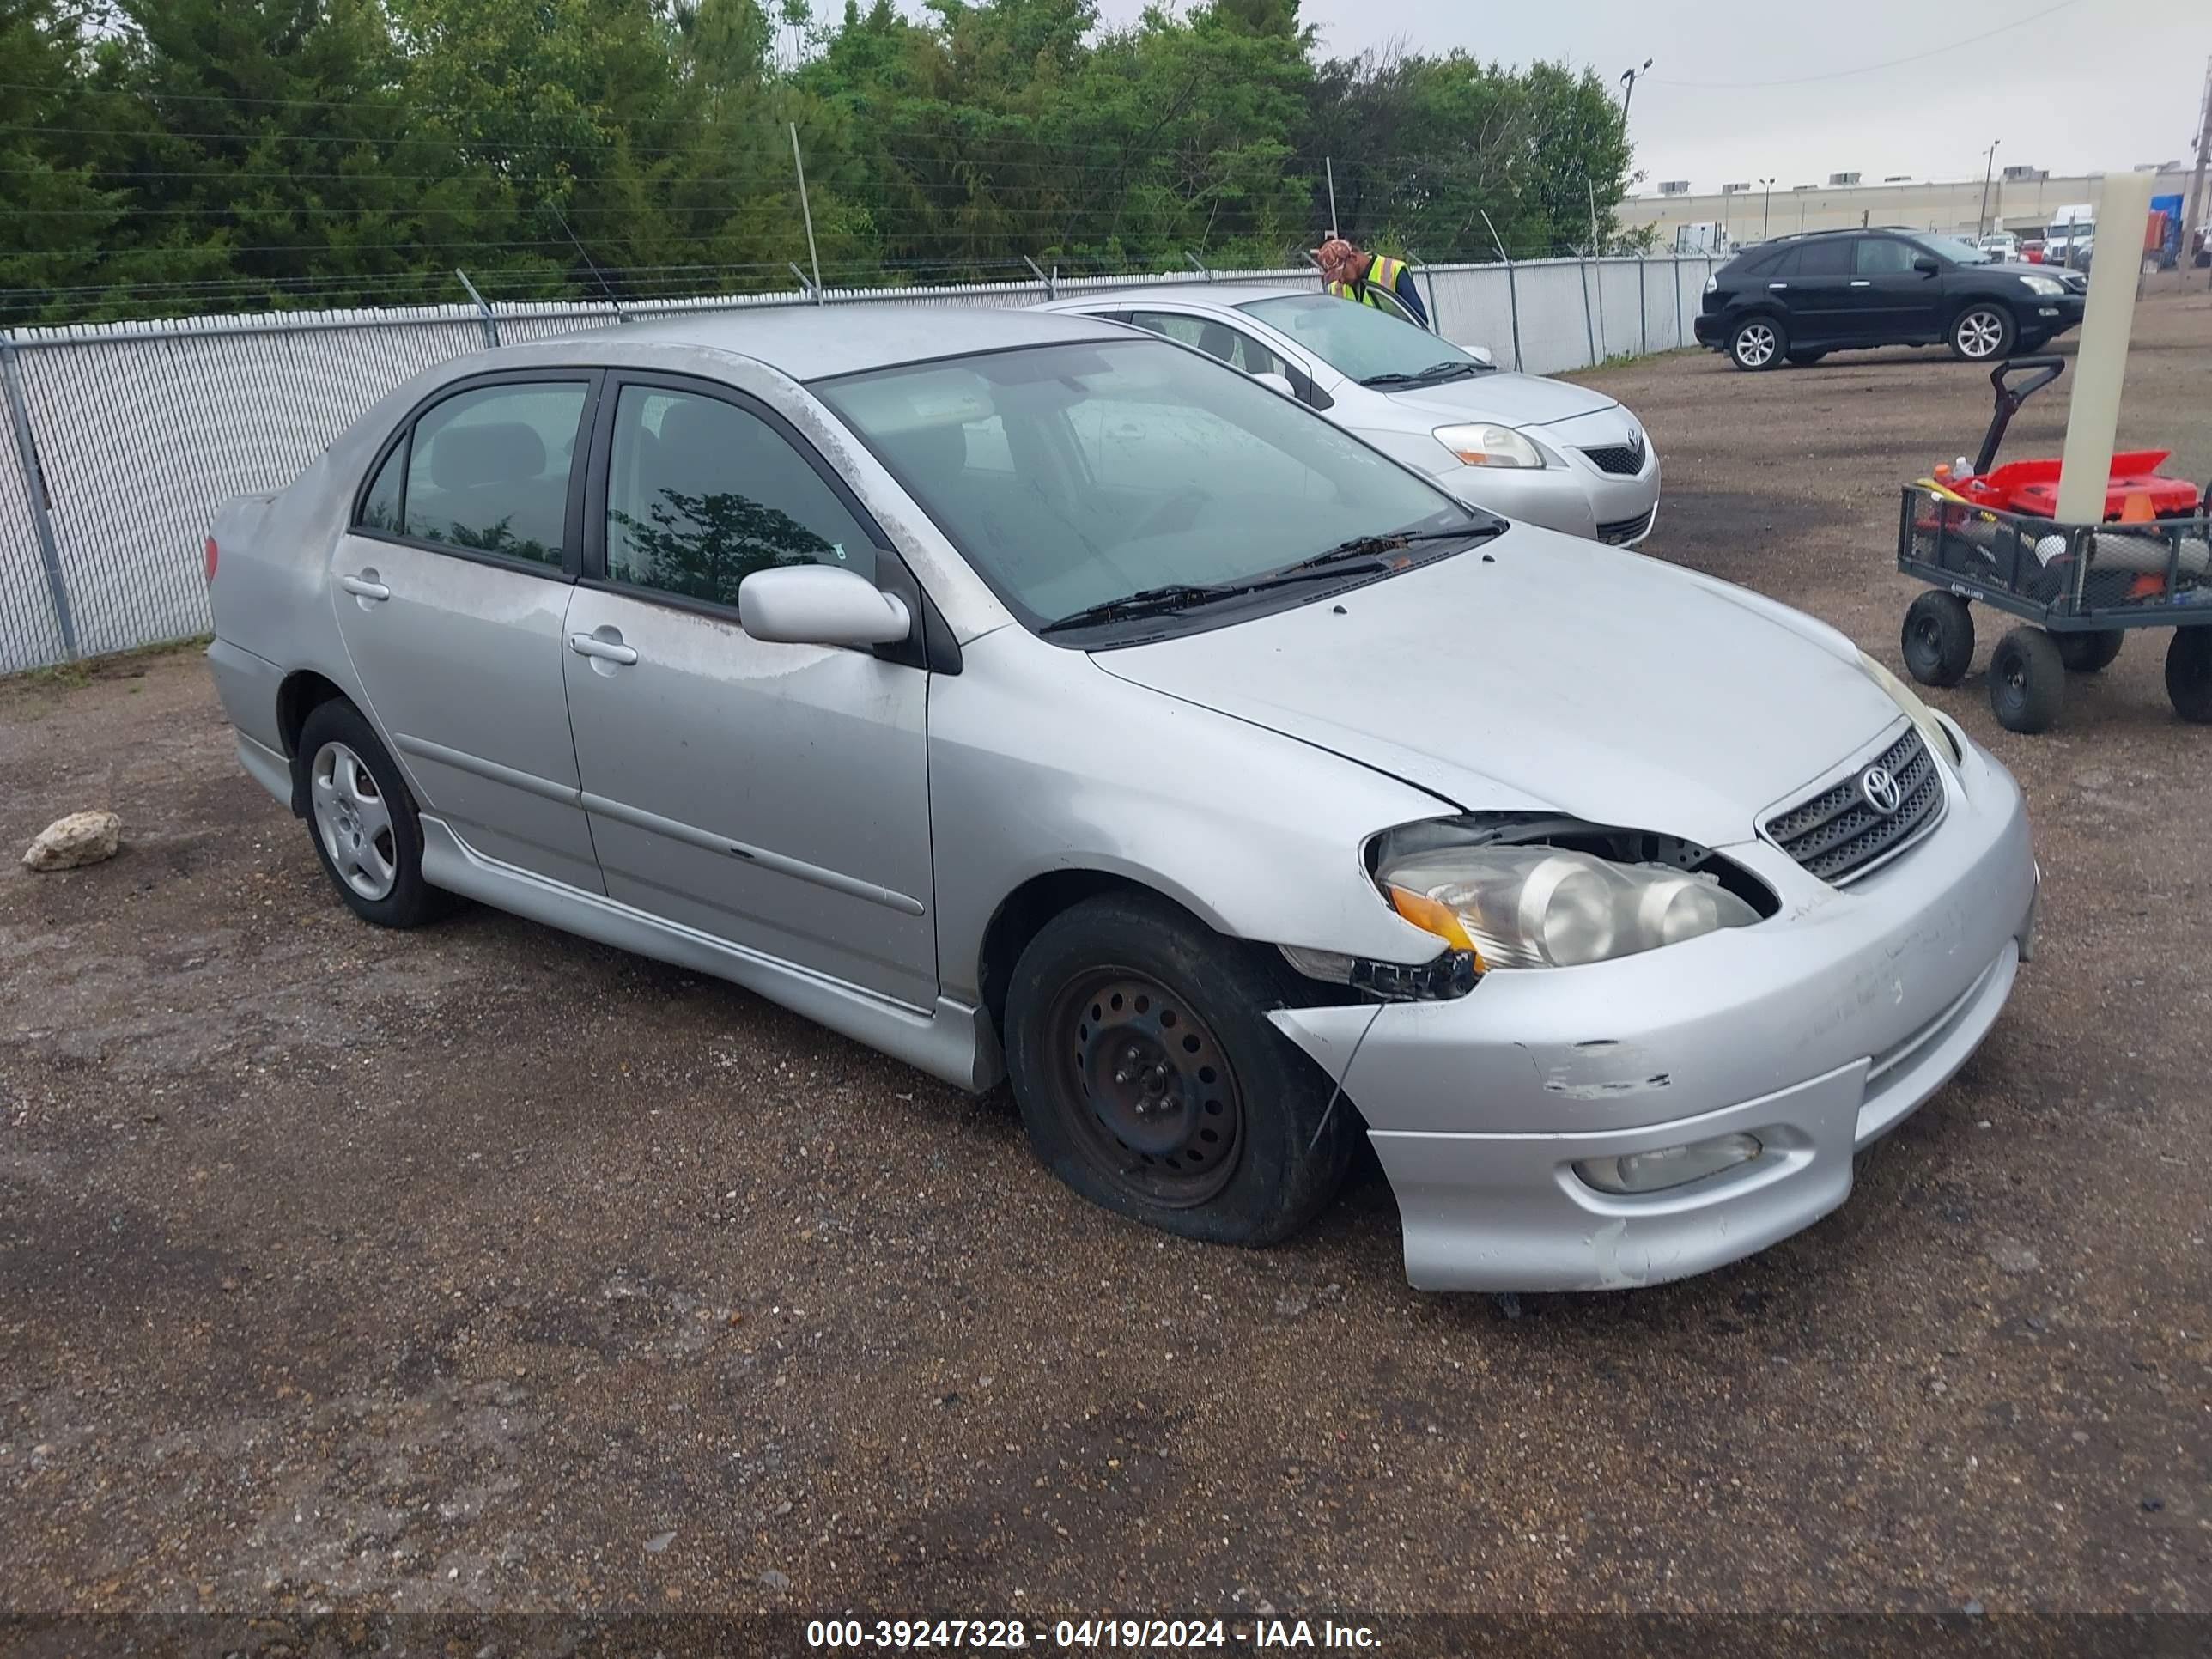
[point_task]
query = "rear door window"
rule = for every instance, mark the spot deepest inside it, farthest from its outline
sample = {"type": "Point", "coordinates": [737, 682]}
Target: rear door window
{"type": "Point", "coordinates": [1881, 256]}
{"type": "Point", "coordinates": [1831, 257]}
{"type": "Point", "coordinates": [487, 470]}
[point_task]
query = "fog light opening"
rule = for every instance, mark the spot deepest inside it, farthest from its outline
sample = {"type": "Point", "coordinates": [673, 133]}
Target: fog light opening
{"type": "Point", "coordinates": [1666, 1167]}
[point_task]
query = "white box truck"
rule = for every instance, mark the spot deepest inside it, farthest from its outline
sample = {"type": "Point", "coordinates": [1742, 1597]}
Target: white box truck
{"type": "Point", "coordinates": [2071, 237]}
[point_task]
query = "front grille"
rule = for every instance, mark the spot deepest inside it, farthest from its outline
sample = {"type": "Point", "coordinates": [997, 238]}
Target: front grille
{"type": "Point", "coordinates": [1837, 835]}
{"type": "Point", "coordinates": [1626, 530]}
{"type": "Point", "coordinates": [1623, 460]}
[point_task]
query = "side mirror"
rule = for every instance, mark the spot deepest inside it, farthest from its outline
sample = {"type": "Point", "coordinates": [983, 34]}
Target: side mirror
{"type": "Point", "coordinates": [819, 605]}
{"type": "Point", "coordinates": [1275, 382]}
{"type": "Point", "coordinates": [1928, 266]}
{"type": "Point", "coordinates": [1482, 354]}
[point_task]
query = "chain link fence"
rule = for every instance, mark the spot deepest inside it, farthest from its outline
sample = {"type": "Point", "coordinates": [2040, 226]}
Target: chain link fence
{"type": "Point", "coordinates": [124, 437]}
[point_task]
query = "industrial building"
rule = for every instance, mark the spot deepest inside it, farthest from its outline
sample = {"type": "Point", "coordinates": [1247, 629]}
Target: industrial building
{"type": "Point", "coordinates": [2020, 198]}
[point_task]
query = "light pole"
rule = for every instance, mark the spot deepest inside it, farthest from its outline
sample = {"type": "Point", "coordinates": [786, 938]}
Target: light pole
{"type": "Point", "coordinates": [1628, 79]}
{"type": "Point", "coordinates": [1989, 166]}
{"type": "Point", "coordinates": [1765, 207]}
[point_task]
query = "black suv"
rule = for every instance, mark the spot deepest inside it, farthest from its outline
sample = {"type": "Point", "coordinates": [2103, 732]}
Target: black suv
{"type": "Point", "coordinates": [1800, 297]}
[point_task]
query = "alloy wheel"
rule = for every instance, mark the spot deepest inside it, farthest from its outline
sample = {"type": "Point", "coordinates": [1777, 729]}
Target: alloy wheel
{"type": "Point", "coordinates": [354, 822]}
{"type": "Point", "coordinates": [1755, 345]}
{"type": "Point", "coordinates": [1980, 334]}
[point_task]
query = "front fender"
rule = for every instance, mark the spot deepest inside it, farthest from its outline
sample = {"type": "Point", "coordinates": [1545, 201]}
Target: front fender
{"type": "Point", "coordinates": [1040, 762]}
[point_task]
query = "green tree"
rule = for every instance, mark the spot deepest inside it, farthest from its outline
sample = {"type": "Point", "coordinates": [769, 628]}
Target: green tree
{"type": "Point", "coordinates": [57, 211]}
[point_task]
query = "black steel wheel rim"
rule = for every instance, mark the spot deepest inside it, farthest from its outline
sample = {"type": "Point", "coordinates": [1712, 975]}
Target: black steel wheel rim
{"type": "Point", "coordinates": [2010, 672]}
{"type": "Point", "coordinates": [1144, 1089]}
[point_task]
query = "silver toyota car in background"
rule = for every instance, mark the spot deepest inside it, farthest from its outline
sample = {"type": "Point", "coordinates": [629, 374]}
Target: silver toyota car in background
{"type": "Point", "coordinates": [1545, 451]}
{"type": "Point", "coordinates": [1029, 697]}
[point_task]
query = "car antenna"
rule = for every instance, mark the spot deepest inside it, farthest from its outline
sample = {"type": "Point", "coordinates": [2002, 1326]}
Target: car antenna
{"type": "Point", "coordinates": [605, 285]}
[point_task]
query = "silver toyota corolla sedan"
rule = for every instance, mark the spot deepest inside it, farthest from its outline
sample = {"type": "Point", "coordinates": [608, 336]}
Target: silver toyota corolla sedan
{"type": "Point", "coordinates": [1546, 451]}
{"type": "Point", "coordinates": [1027, 696]}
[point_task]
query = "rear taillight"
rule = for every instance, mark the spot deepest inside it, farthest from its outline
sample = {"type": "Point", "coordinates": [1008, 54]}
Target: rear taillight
{"type": "Point", "coordinates": [211, 559]}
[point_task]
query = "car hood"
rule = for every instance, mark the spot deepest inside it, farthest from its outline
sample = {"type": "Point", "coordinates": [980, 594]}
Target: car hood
{"type": "Point", "coordinates": [1556, 675]}
{"type": "Point", "coordinates": [1514, 399]}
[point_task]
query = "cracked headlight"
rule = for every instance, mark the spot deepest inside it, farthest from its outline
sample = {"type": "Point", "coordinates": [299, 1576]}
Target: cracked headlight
{"type": "Point", "coordinates": [1932, 732]}
{"type": "Point", "coordinates": [1553, 906]}
{"type": "Point", "coordinates": [1485, 445]}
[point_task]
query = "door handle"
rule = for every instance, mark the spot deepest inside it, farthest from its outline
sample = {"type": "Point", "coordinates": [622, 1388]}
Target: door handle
{"type": "Point", "coordinates": [605, 650]}
{"type": "Point", "coordinates": [1861, 282]}
{"type": "Point", "coordinates": [1777, 285]}
{"type": "Point", "coordinates": [365, 586]}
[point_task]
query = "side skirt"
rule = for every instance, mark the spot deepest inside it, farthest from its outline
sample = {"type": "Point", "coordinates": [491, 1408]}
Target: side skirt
{"type": "Point", "coordinates": [950, 1040]}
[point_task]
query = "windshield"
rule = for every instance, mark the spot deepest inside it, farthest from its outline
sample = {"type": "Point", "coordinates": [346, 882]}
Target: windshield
{"type": "Point", "coordinates": [1069, 476]}
{"type": "Point", "coordinates": [1958, 250]}
{"type": "Point", "coordinates": [1368, 344]}
{"type": "Point", "coordinates": [2076, 229]}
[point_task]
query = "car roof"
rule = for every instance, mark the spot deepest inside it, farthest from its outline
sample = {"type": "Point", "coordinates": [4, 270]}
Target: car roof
{"type": "Point", "coordinates": [813, 343]}
{"type": "Point", "coordinates": [1227, 296]}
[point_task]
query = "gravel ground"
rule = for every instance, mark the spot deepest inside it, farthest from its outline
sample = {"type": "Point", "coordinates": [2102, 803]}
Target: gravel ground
{"type": "Point", "coordinates": [482, 1269]}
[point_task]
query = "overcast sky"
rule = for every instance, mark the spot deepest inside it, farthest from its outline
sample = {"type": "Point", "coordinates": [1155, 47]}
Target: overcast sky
{"type": "Point", "coordinates": [2093, 85]}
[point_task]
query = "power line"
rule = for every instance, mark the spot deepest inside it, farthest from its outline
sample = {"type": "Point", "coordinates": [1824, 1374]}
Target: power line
{"type": "Point", "coordinates": [1892, 63]}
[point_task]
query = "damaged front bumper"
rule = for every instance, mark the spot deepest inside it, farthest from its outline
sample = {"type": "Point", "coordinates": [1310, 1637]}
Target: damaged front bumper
{"type": "Point", "coordinates": [1815, 1031]}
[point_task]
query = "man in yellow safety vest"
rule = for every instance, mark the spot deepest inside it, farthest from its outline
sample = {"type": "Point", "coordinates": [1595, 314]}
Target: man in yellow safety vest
{"type": "Point", "coordinates": [1354, 274]}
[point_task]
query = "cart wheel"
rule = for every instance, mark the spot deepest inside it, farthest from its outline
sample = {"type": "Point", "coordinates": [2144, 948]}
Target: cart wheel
{"type": "Point", "coordinates": [2028, 681]}
{"type": "Point", "coordinates": [2085, 653]}
{"type": "Point", "coordinates": [2189, 674]}
{"type": "Point", "coordinates": [1939, 639]}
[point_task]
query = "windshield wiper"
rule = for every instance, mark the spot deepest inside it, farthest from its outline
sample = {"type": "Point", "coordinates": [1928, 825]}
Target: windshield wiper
{"type": "Point", "coordinates": [1145, 602]}
{"type": "Point", "coordinates": [1434, 374]}
{"type": "Point", "coordinates": [1361, 556]}
{"type": "Point", "coordinates": [1374, 547]}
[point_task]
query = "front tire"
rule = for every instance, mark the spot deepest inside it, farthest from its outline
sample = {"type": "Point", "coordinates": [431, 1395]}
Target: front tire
{"type": "Point", "coordinates": [2189, 674]}
{"type": "Point", "coordinates": [1983, 333]}
{"type": "Point", "coordinates": [1758, 343]}
{"type": "Point", "coordinates": [1938, 638]}
{"type": "Point", "coordinates": [362, 820]}
{"type": "Point", "coordinates": [2028, 681]}
{"type": "Point", "coordinates": [2087, 653]}
{"type": "Point", "coordinates": [1151, 1082]}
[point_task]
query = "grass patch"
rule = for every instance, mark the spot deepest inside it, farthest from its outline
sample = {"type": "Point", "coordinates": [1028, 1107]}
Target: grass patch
{"type": "Point", "coordinates": [114, 666]}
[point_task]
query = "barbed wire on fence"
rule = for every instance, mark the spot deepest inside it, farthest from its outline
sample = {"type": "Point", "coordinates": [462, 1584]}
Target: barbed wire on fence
{"type": "Point", "coordinates": [127, 435]}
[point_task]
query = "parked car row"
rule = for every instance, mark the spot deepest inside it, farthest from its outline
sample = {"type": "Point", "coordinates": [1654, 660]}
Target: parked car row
{"type": "Point", "coordinates": [1798, 298]}
{"type": "Point", "coordinates": [1146, 708]}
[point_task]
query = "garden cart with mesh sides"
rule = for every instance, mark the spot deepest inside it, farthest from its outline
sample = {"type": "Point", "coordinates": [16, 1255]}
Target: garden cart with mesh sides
{"type": "Point", "coordinates": [1987, 534]}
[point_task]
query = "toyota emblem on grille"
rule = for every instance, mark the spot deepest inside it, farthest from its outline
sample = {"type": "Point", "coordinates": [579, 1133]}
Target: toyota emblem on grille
{"type": "Point", "coordinates": [1880, 790]}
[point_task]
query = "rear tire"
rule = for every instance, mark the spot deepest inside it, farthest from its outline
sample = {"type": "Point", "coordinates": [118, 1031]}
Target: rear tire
{"type": "Point", "coordinates": [1984, 332]}
{"type": "Point", "coordinates": [1758, 343]}
{"type": "Point", "coordinates": [2028, 681]}
{"type": "Point", "coordinates": [2087, 654]}
{"type": "Point", "coordinates": [362, 820]}
{"type": "Point", "coordinates": [2189, 674]}
{"type": "Point", "coordinates": [1151, 1081]}
{"type": "Point", "coordinates": [1938, 638]}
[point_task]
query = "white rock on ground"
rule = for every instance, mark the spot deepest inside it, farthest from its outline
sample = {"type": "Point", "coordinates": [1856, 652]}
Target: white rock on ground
{"type": "Point", "coordinates": [80, 838]}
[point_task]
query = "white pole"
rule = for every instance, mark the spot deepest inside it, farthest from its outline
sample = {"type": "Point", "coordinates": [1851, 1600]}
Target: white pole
{"type": "Point", "coordinates": [799, 168]}
{"type": "Point", "coordinates": [2100, 363]}
{"type": "Point", "coordinates": [1329, 163]}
